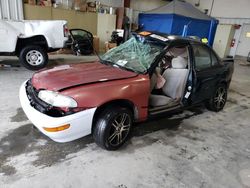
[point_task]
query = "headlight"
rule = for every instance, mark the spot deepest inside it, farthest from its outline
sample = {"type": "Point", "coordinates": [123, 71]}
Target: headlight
{"type": "Point", "coordinates": [56, 99]}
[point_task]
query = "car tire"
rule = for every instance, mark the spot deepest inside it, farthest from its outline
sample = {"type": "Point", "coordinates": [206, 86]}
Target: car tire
{"type": "Point", "coordinates": [217, 102]}
{"type": "Point", "coordinates": [112, 127]}
{"type": "Point", "coordinates": [33, 57]}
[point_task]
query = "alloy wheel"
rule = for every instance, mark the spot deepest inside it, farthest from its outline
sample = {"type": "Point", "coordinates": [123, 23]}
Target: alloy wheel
{"type": "Point", "coordinates": [119, 130]}
{"type": "Point", "coordinates": [220, 97]}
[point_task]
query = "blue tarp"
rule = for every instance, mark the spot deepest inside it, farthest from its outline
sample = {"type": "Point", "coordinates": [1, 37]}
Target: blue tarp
{"type": "Point", "coordinates": [174, 24]}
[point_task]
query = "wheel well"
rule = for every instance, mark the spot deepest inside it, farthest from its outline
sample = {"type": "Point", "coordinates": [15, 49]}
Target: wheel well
{"type": "Point", "coordinates": [38, 40]}
{"type": "Point", "coordinates": [224, 82]}
{"type": "Point", "coordinates": [121, 102]}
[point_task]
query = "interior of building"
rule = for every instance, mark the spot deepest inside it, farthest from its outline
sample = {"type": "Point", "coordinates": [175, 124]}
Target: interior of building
{"type": "Point", "coordinates": [125, 93]}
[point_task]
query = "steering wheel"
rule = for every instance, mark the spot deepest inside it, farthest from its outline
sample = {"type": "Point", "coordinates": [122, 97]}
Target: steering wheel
{"type": "Point", "coordinates": [166, 62]}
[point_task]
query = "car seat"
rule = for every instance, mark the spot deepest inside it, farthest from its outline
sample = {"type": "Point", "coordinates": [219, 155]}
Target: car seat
{"type": "Point", "coordinates": [174, 87]}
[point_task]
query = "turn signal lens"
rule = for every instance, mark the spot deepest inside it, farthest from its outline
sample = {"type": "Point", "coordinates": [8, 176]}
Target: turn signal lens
{"type": "Point", "coordinates": [145, 33]}
{"type": "Point", "coordinates": [56, 129]}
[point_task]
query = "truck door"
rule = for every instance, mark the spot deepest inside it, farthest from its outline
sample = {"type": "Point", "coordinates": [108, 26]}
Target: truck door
{"type": "Point", "coordinates": [8, 37]}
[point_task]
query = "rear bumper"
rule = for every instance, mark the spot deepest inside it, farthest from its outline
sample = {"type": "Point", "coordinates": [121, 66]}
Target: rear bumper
{"type": "Point", "coordinates": [80, 123]}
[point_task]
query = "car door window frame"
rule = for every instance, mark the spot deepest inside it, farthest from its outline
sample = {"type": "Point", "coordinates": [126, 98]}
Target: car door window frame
{"type": "Point", "coordinates": [217, 63]}
{"type": "Point", "coordinates": [177, 42]}
{"type": "Point", "coordinates": [208, 50]}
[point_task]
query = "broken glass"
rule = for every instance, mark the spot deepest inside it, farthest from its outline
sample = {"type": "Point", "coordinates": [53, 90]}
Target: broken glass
{"type": "Point", "coordinates": [134, 55]}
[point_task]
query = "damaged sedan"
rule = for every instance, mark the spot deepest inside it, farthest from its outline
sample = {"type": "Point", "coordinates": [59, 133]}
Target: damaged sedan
{"type": "Point", "coordinates": [148, 75]}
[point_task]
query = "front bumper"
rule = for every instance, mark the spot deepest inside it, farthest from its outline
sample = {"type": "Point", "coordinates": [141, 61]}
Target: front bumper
{"type": "Point", "coordinates": [80, 123]}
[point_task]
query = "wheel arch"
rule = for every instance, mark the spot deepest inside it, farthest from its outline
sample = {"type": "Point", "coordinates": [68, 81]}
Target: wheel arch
{"type": "Point", "coordinates": [118, 102]}
{"type": "Point", "coordinates": [220, 82]}
{"type": "Point", "coordinates": [224, 82]}
{"type": "Point", "coordinates": [38, 40]}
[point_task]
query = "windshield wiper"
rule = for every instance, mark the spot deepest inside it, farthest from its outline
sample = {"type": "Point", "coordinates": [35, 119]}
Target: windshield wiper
{"type": "Point", "coordinates": [126, 68]}
{"type": "Point", "coordinates": [106, 62]}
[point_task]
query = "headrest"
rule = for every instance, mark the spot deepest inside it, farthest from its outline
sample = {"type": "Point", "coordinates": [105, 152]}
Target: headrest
{"type": "Point", "coordinates": [179, 63]}
{"type": "Point", "coordinates": [185, 55]}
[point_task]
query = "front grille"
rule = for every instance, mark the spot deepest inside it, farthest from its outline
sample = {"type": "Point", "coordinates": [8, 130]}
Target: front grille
{"type": "Point", "coordinates": [42, 106]}
{"type": "Point", "coordinates": [35, 101]}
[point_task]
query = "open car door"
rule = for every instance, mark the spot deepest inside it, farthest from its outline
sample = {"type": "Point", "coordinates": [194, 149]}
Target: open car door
{"type": "Point", "coordinates": [81, 41]}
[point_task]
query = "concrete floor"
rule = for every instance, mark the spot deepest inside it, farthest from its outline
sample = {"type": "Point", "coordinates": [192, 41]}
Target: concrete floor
{"type": "Point", "coordinates": [196, 148]}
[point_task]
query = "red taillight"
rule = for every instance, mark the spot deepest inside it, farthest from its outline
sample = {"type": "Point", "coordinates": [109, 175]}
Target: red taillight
{"type": "Point", "coordinates": [66, 30]}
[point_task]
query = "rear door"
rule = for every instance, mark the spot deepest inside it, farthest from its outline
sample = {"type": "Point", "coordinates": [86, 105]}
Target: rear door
{"type": "Point", "coordinates": [207, 70]}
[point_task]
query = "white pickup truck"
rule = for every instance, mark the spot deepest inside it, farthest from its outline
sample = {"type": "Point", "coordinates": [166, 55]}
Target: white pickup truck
{"type": "Point", "coordinates": [32, 40]}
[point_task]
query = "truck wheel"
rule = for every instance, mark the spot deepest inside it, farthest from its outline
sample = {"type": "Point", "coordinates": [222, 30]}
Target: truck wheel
{"type": "Point", "coordinates": [33, 57]}
{"type": "Point", "coordinates": [112, 128]}
{"type": "Point", "coordinates": [218, 100]}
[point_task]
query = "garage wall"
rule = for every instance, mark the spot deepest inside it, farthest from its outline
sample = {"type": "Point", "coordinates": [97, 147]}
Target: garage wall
{"type": "Point", "coordinates": [231, 8]}
{"type": "Point", "coordinates": [225, 8]}
{"type": "Point", "coordinates": [146, 5]}
{"type": "Point", "coordinates": [139, 6]}
{"type": "Point", "coordinates": [221, 8]}
{"type": "Point", "coordinates": [113, 3]}
{"type": "Point", "coordinates": [227, 12]}
{"type": "Point", "coordinates": [11, 9]}
{"type": "Point", "coordinates": [223, 39]}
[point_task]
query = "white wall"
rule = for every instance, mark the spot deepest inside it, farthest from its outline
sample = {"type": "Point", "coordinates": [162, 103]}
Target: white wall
{"type": "Point", "coordinates": [236, 37]}
{"type": "Point", "coordinates": [204, 4]}
{"type": "Point", "coordinates": [11, 9]}
{"type": "Point", "coordinates": [228, 12]}
{"type": "Point", "coordinates": [113, 3]}
{"type": "Point", "coordinates": [139, 6]}
{"type": "Point", "coordinates": [223, 39]}
{"type": "Point", "coordinates": [221, 8]}
{"type": "Point", "coordinates": [225, 8]}
{"type": "Point", "coordinates": [231, 8]}
{"type": "Point", "coordinates": [146, 5]}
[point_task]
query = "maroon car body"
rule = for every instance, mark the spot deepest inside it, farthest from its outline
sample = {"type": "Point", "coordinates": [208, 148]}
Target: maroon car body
{"type": "Point", "coordinates": [90, 85]}
{"type": "Point", "coordinates": [105, 97]}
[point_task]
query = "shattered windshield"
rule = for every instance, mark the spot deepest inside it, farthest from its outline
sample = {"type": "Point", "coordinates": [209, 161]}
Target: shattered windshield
{"type": "Point", "coordinates": [133, 55]}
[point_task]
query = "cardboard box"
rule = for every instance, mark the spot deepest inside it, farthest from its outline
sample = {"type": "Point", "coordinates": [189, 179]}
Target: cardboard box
{"type": "Point", "coordinates": [83, 7]}
{"type": "Point", "coordinates": [77, 4]}
{"type": "Point", "coordinates": [32, 2]}
{"type": "Point", "coordinates": [96, 44]}
{"type": "Point", "coordinates": [109, 45]}
{"type": "Point", "coordinates": [91, 9]}
{"type": "Point", "coordinates": [80, 5]}
{"type": "Point", "coordinates": [47, 3]}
